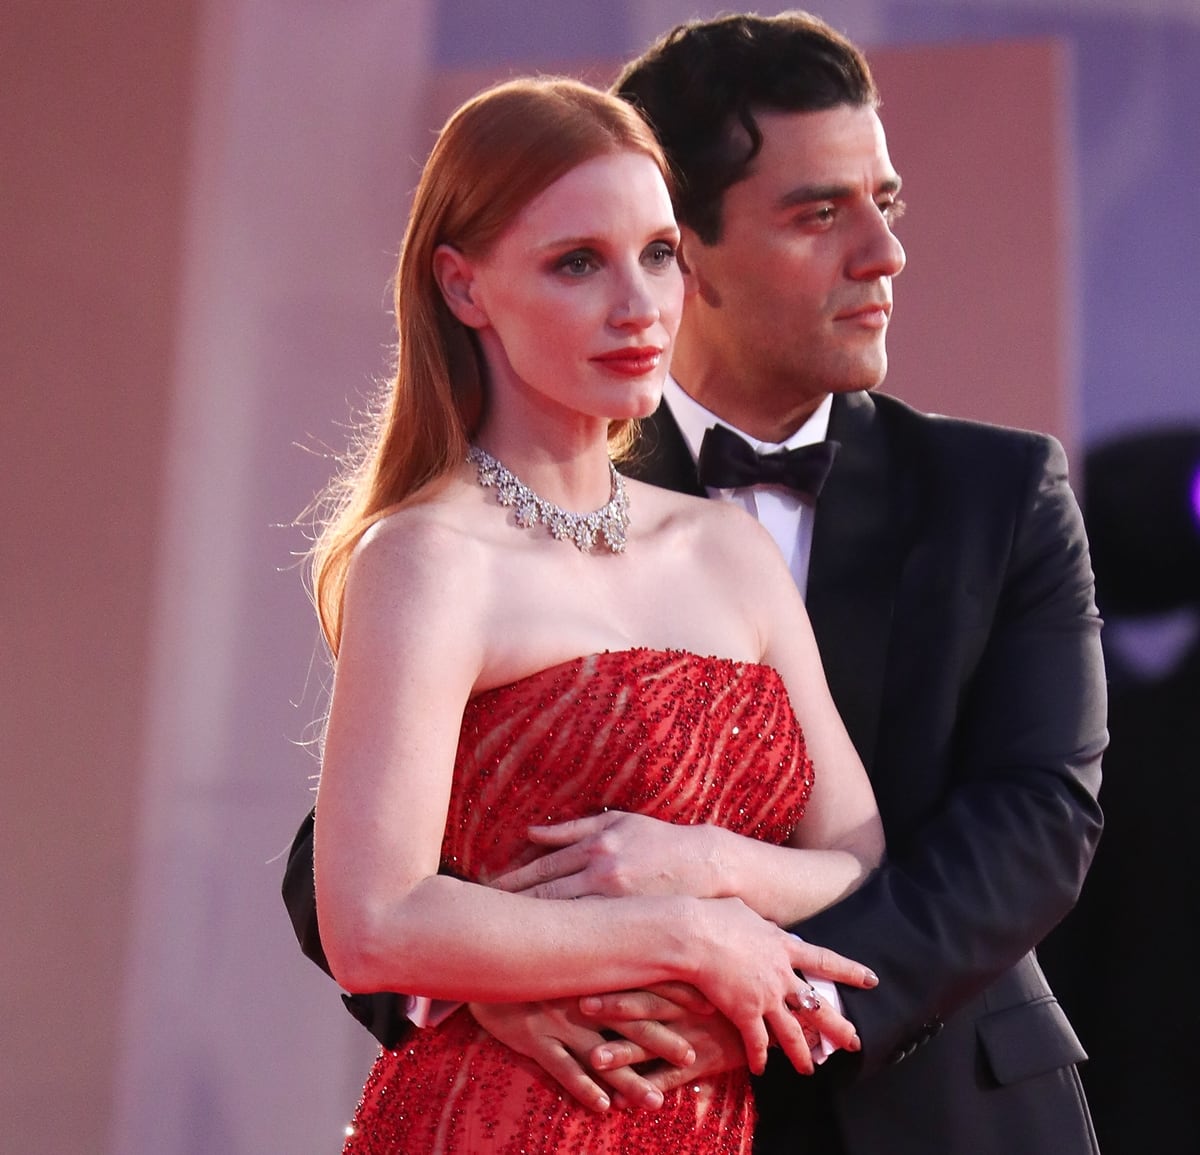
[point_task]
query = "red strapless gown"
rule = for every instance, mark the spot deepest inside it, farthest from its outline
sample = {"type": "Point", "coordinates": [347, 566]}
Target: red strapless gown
{"type": "Point", "coordinates": [673, 735]}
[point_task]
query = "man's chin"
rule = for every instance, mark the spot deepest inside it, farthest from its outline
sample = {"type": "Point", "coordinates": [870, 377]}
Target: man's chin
{"type": "Point", "coordinates": [861, 385]}
{"type": "Point", "coordinates": [871, 377]}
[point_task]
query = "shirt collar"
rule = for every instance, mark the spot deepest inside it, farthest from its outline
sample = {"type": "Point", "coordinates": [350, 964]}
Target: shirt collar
{"type": "Point", "coordinates": [693, 419]}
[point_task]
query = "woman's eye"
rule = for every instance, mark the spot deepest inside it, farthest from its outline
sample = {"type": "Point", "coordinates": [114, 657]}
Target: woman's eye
{"type": "Point", "coordinates": [577, 264]}
{"type": "Point", "coordinates": [892, 210]}
{"type": "Point", "coordinates": [660, 254]}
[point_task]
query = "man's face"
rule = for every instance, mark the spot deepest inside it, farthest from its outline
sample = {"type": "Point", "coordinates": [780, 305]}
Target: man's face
{"type": "Point", "coordinates": [793, 302]}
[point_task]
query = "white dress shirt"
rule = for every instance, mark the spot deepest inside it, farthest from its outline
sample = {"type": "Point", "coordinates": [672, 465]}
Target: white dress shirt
{"type": "Point", "coordinates": [780, 512]}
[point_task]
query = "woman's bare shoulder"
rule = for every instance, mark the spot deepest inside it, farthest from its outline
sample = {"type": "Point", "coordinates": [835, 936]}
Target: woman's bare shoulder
{"type": "Point", "coordinates": [423, 549]}
{"type": "Point", "coordinates": [718, 527]}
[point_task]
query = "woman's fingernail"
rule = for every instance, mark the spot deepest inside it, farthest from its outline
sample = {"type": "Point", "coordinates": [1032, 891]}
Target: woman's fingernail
{"type": "Point", "coordinates": [602, 1103]}
{"type": "Point", "coordinates": [603, 1057]}
{"type": "Point", "coordinates": [872, 979]}
{"type": "Point", "coordinates": [855, 1044]}
{"type": "Point", "coordinates": [653, 1099]}
{"type": "Point", "coordinates": [590, 1005]}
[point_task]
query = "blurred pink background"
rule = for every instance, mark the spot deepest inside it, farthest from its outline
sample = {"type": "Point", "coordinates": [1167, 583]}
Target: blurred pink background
{"type": "Point", "coordinates": [200, 205]}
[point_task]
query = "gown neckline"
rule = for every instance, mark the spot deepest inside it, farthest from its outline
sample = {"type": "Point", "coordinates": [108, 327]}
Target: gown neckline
{"type": "Point", "coordinates": [600, 656]}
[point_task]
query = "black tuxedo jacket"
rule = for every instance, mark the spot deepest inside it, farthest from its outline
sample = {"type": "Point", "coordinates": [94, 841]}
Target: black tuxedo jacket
{"type": "Point", "coordinates": [951, 595]}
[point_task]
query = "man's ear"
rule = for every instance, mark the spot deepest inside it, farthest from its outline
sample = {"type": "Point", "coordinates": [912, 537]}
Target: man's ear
{"type": "Point", "coordinates": [455, 276]}
{"type": "Point", "coordinates": [688, 242]}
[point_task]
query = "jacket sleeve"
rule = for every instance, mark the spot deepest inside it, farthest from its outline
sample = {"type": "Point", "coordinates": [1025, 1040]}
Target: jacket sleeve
{"type": "Point", "coordinates": [1000, 856]}
{"type": "Point", "coordinates": [383, 1014]}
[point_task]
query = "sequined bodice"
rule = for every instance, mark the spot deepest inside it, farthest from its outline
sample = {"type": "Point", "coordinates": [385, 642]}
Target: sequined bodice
{"type": "Point", "coordinates": [683, 738]}
{"type": "Point", "coordinates": [673, 735]}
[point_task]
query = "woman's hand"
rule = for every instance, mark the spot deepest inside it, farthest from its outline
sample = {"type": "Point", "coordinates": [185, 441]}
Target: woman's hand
{"type": "Point", "coordinates": [825, 1019]}
{"type": "Point", "coordinates": [746, 967]}
{"type": "Point", "coordinates": [717, 1044]}
{"type": "Point", "coordinates": [616, 855]}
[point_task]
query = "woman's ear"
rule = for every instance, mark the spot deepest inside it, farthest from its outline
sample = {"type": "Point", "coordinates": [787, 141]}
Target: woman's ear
{"type": "Point", "coordinates": [455, 276]}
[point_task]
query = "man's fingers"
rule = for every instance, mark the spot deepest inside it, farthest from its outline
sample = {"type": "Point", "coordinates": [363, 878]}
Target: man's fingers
{"type": "Point", "coordinates": [666, 1079]}
{"type": "Point", "coordinates": [642, 1041]}
{"type": "Point", "coordinates": [625, 1087]}
{"type": "Point", "coordinates": [562, 1066]}
{"type": "Point", "coordinates": [632, 1090]}
{"type": "Point", "coordinates": [613, 1054]}
{"type": "Point", "coordinates": [629, 1006]}
{"type": "Point", "coordinates": [685, 995]}
{"type": "Point", "coordinates": [659, 1041]}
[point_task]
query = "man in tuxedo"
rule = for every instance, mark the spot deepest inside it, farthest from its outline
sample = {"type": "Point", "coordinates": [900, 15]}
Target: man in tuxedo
{"type": "Point", "coordinates": [946, 573]}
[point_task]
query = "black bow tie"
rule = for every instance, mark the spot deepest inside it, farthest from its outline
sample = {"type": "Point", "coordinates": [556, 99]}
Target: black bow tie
{"type": "Point", "coordinates": [728, 462]}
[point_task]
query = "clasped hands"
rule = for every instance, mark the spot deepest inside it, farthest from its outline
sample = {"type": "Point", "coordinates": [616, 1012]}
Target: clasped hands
{"type": "Point", "coordinates": [628, 1049]}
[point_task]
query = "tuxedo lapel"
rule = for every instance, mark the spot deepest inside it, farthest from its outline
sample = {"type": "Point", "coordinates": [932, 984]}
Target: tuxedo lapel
{"type": "Point", "coordinates": [662, 457]}
{"type": "Point", "coordinates": [855, 565]}
{"type": "Point", "coordinates": [860, 515]}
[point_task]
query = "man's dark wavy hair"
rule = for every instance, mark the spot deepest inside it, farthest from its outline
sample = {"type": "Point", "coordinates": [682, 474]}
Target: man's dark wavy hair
{"type": "Point", "coordinates": [704, 79]}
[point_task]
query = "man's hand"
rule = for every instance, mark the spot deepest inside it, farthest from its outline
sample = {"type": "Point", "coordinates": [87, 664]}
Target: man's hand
{"type": "Point", "coordinates": [715, 1041]}
{"type": "Point", "coordinates": [559, 1038]}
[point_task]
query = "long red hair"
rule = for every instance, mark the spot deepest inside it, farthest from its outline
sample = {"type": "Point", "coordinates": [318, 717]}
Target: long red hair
{"type": "Point", "coordinates": [494, 155]}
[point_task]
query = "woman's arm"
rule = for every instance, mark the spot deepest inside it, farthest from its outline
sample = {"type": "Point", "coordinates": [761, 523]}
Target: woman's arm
{"type": "Point", "coordinates": [833, 849]}
{"type": "Point", "coordinates": [840, 840]}
{"type": "Point", "coordinates": [408, 662]}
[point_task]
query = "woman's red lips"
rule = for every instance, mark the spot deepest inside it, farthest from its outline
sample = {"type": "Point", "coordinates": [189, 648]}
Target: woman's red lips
{"type": "Point", "coordinates": [632, 362]}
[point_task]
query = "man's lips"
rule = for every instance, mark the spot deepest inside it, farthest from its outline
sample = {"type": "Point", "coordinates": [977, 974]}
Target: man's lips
{"type": "Point", "coordinates": [632, 362]}
{"type": "Point", "coordinates": [871, 315]}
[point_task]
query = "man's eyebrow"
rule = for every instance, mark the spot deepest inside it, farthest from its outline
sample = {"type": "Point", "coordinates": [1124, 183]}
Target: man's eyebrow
{"type": "Point", "coordinates": [811, 193]}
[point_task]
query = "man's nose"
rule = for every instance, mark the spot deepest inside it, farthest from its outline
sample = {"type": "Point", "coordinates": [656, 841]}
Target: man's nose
{"type": "Point", "coordinates": [880, 253]}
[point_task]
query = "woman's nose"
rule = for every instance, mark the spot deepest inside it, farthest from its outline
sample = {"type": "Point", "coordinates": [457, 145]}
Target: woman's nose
{"type": "Point", "coordinates": [636, 304]}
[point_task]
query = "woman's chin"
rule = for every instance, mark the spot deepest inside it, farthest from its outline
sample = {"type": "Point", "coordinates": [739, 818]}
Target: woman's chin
{"type": "Point", "coordinates": [645, 402]}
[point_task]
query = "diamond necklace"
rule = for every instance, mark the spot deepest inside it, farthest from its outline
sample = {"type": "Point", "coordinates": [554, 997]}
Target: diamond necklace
{"type": "Point", "coordinates": [605, 525]}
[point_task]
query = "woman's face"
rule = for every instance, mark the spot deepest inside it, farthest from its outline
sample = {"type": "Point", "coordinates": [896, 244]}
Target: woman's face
{"type": "Point", "coordinates": [577, 303]}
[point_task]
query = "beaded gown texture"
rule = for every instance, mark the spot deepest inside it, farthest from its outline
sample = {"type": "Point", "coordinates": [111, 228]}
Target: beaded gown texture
{"type": "Point", "coordinates": [680, 737]}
